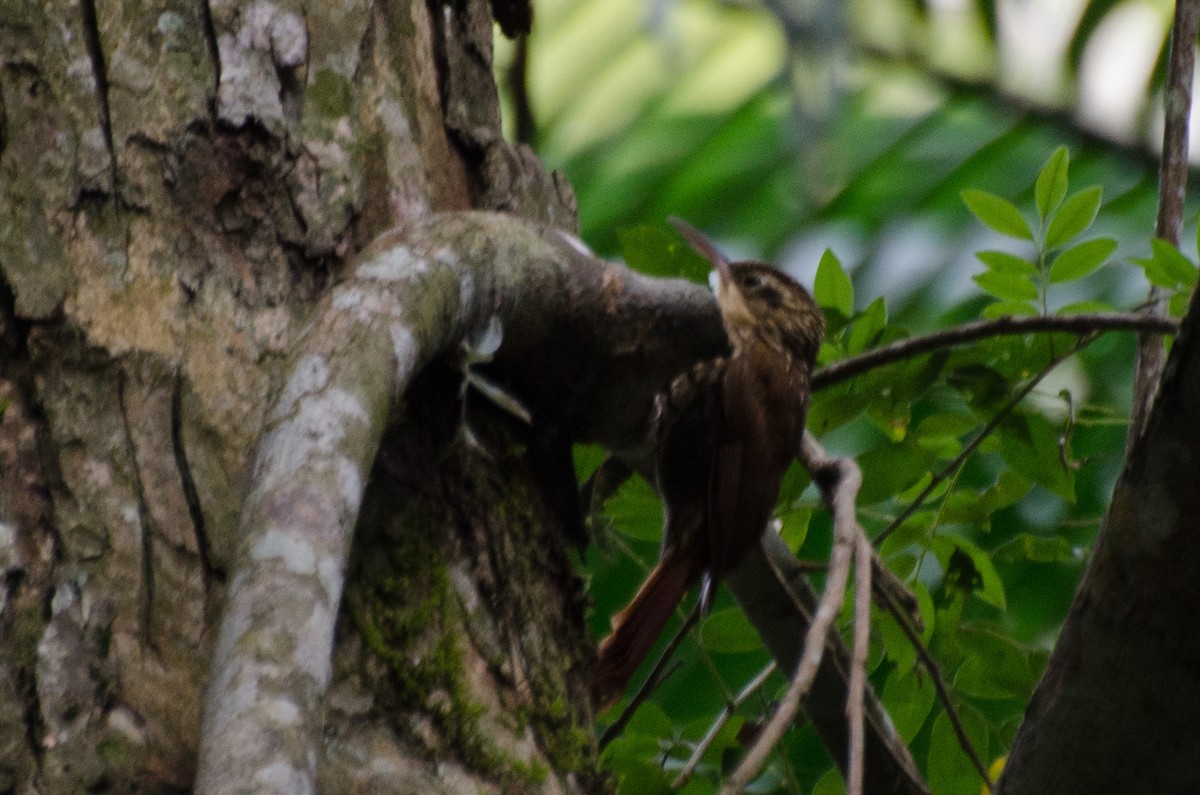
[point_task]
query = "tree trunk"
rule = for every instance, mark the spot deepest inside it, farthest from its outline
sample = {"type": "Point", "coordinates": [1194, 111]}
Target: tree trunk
{"type": "Point", "coordinates": [178, 185]}
{"type": "Point", "coordinates": [1116, 708]}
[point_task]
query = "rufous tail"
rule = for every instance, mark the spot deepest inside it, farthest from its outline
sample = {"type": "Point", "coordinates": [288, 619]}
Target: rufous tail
{"type": "Point", "coordinates": [637, 627]}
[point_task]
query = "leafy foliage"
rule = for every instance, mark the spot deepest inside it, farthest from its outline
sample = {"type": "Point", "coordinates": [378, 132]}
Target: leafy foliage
{"type": "Point", "coordinates": [1014, 280]}
{"type": "Point", "coordinates": [1024, 505]}
{"type": "Point", "coordinates": [995, 549]}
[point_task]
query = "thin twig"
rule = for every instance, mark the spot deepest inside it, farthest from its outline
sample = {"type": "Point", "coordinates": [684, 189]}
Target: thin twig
{"type": "Point", "coordinates": [839, 479]}
{"type": "Point", "coordinates": [1172, 191]}
{"type": "Point", "coordinates": [731, 707]}
{"type": "Point", "coordinates": [884, 580]}
{"type": "Point", "coordinates": [863, 559]}
{"type": "Point", "coordinates": [983, 329]}
{"type": "Point", "coordinates": [973, 445]}
{"type": "Point", "coordinates": [653, 681]}
{"type": "Point", "coordinates": [892, 604]}
{"type": "Point", "coordinates": [943, 693]}
{"type": "Point", "coordinates": [1177, 104]}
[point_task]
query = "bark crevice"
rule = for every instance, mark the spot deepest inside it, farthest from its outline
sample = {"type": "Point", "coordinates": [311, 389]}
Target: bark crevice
{"type": "Point", "coordinates": [145, 523]}
{"type": "Point", "coordinates": [95, 50]}
{"type": "Point", "coordinates": [188, 483]}
{"type": "Point", "coordinates": [214, 53]}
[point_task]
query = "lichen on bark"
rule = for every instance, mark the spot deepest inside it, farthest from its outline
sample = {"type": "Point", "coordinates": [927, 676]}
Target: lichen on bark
{"type": "Point", "coordinates": [447, 590]}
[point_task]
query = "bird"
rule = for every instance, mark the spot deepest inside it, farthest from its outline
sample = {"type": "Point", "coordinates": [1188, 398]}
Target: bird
{"type": "Point", "coordinates": [725, 432]}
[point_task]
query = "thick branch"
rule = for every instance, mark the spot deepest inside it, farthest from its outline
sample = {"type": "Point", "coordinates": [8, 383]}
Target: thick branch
{"type": "Point", "coordinates": [772, 589]}
{"type": "Point", "coordinates": [414, 295]}
{"type": "Point", "coordinates": [840, 480]}
{"type": "Point", "coordinates": [848, 368]}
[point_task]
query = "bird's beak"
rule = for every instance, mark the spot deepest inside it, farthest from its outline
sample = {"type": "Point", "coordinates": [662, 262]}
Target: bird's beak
{"type": "Point", "coordinates": [705, 248]}
{"type": "Point", "coordinates": [729, 295]}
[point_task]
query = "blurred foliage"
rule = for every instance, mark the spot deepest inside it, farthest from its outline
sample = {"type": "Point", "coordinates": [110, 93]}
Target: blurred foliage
{"type": "Point", "coordinates": [938, 182]}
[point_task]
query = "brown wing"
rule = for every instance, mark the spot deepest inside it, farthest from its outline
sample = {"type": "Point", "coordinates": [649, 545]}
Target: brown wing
{"type": "Point", "coordinates": [689, 416]}
{"type": "Point", "coordinates": [764, 401]}
{"type": "Point", "coordinates": [686, 434]}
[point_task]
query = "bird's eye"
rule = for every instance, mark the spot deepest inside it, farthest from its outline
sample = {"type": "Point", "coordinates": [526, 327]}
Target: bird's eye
{"type": "Point", "coordinates": [751, 280]}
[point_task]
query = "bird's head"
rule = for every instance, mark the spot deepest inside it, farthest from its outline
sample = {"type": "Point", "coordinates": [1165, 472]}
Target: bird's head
{"type": "Point", "coordinates": [760, 301]}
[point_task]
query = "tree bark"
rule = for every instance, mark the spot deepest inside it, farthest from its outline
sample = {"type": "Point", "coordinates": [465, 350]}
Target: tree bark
{"type": "Point", "coordinates": [178, 186]}
{"type": "Point", "coordinates": [180, 189]}
{"type": "Point", "coordinates": [1116, 708]}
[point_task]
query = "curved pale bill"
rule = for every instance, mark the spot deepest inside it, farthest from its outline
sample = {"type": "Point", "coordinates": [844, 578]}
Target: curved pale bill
{"type": "Point", "coordinates": [703, 246]}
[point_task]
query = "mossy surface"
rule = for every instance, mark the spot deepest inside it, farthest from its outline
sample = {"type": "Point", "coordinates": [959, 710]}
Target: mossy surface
{"type": "Point", "coordinates": [406, 611]}
{"type": "Point", "coordinates": [457, 566]}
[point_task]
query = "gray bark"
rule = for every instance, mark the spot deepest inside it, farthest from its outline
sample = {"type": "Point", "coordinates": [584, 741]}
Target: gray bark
{"type": "Point", "coordinates": [178, 186]}
{"type": "Point", "coordinates": [414, 294]}
{"type": "Point", "coordinates": [1116, 708]}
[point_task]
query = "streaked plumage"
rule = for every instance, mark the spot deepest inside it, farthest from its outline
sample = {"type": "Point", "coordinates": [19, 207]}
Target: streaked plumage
{"type": "Point", "coordinates": [727, 429]}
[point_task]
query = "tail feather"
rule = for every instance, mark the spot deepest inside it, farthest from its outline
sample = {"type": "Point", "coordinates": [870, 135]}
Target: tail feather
{"type": "Point", "coordinates": [637, 627]}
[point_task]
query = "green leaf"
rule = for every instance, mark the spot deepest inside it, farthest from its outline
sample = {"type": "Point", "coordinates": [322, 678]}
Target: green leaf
{"type": "Point", "coordinates": [1038, 549]}
{"type": "Point", "coordinates": [1009, 488]}
{"type": "Point", "coordinates": [994, 668]}
{"type": "Point", "coordinates": [1078, 261]}
{"type": "Point", "coordinates": [908, 698]}
{"type": "Point", "coordinates": [728, 631]}
{"type": "Point", "coordinates": [639, 742]}
{"type": "Point", "coordinates": [635, 510]}
{"type": "Point", "coordinates": [927, 610]}
{"type": "Point", "coordinates": [983, 386]}
{"type": "Point", "coordinates": [1086, 308]}
{"type": "Point", "coordinates": [644, 777]}
{"type": "Point", "coordinates": [899, 648]}
{"type": "Point", "coordinates": [1052, 182]}
{"type": "Point", "coordinates": [832, 288]}
{"type": "Point", "coordinates": [947, 423]}
{"type": "Point", "coordinates": [986, 584]}
{"type": "Point", "coordinates": [912, 531]}
{"type": "Point", "coordinates": [1156, 274]}
{"type": "Point", "coordinates": [1008, 286]}
{"type": "Point", "coordinates": [795, 527]}
{"type": "Point", "coordinates": [867, 326]}
{"type": "Point", "coordinates": [587, 458]}
{"type": "Point", "coordinates": [1008, 309]}
{"type": "Point", "coordinates": [919, 486]}
{"type": "Point", "coordinates": [964, 507]}
{"type": "Point", "coordinates": [1003, 262]}
{"type": "Point", "coordinates": [723, 745]}
{"type": "Point", "coordinates": [795, 481]}
{"type": "Point", "coordinates": [1178, 304]}
{"type": "Point", "coordinates": [829, 784]}
{"type": "Point", "coordinates": [652, 721]}
{"type": "Point", "coordinates": [657, 252]}
{"type": "Point", "coordinates": [944, 447]}
{"type": "Point", "coordinates": [832, 408]}
{"type": "Point", "coordinates": [890, 469]}
{"type": "Point", "coordinates": [998, 213]}
{"type": "Point", "coordinates": [950, 770]}
{"type": "Point", "coordinates": [1178, 267]}
{"type": "Point", "coordinates": [1075, 215]}
{"type": "Point", "coordinates": [1031, 446]}
{"type": "Point", "coordinates": [940, 433]}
